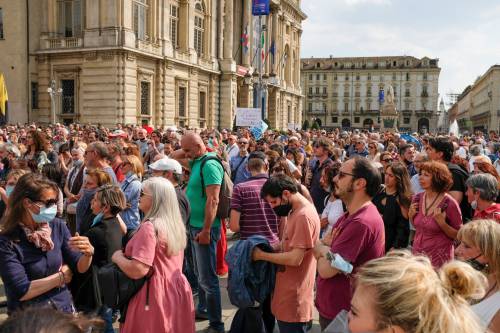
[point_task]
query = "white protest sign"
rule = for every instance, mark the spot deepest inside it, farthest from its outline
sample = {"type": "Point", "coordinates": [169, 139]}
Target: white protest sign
{"type": "Point", "coordinates": [248, 117]}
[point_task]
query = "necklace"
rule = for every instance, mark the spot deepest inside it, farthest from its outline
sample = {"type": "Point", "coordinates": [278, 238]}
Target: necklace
{"type": "Point", "coordinates": [427, 208]}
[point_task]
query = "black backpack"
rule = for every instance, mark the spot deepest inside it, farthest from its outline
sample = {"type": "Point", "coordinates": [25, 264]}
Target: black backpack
{"type": "Point", "coordinates": [226, 189]}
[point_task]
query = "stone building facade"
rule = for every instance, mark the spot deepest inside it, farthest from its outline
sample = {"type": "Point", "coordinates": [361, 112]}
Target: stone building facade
{"type": "Point", "coordinates": [160, 62]}
{"type": "Point", "coordinates": [344, 92]}
{"type": "Point", "coordinates": [478, 106]}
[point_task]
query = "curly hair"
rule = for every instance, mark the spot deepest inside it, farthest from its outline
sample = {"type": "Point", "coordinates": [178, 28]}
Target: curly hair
{"type": "Point", "coordinates": [441, 176]}
{"type": "Point", "coordinates": [485, 167]}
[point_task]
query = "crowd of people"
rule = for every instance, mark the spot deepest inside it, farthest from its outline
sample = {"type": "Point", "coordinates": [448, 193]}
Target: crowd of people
{"type": "Point", "coordinates": [379, 232]}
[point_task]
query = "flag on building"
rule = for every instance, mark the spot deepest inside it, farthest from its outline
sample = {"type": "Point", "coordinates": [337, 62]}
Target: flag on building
{"type": "Point", "coordinates": [272, 50]}
{"type": "Point", "coordinates": [381, 96]}
{"type": "Point", "coordinates": [3, 96]}
{"type": "Point", "coordinates": [262, 48]}
{"type": "Point", "coordinates": [244, 39]}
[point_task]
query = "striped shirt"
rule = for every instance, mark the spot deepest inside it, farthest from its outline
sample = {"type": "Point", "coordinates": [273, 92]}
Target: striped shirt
{"type": "Point", "coordinates": [257, 217]}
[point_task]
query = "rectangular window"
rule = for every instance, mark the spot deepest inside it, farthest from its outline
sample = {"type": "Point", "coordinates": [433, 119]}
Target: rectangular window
{"type": "Point", "coordinates": [1, 24]}
{"type": "Point", "coordinates": [324, 77]}
{"type": "Point", "coordinates": [369, 78]}
{"type": "Point", "coordinates": [335, 120]}
{"type": "Point", "coordinates": [145, 91]}
{"type": "Point", "coordinates": [324, 90]}
{"type": "Point", "coordinates": [335, 77]}
{"type": "Point", "coordinates": [34, 95]}
{"type": "Point", "coordinates": [182, 102]}
{"type": "Point", "coordinates": [68, 96]}
{"type": "Point", "coordinates": [69, 18]}
{"type": "Point", "coordinates": [317, 90]}
{"type": "Point", "coordinates": [356, 120]}
{"type": "Point", "coordinates": [346, 107]}
{"type": "Point", "coordinates": [202, 105]}
{"type": "Point", "coordinates": [407, 106]}
{"type": "Point", "coordinates": [310, 107]}
{"type": "Point", "coordinates": [310, 90]}
{"type": "Point", "coordinates": [357, 77]}
{"type": "Point", "coordinates": [407, 93]}
{"type": "Point", "coordinates": [425, 76]}
{"type": "Point", "coordinates": [406, 120]}
{"type": "Point", "coordinates": [310, 77]}
{"type": "Point", "coordinates": [140, 15]}
{"type": "Point", "coordinates": [199, 32]}
{"type": "Point", "coordinates": [317, 77]}
{"type": "Point", "coordinates": [174, 25]}
{"type": "Point", "coordinates": [407, 76]}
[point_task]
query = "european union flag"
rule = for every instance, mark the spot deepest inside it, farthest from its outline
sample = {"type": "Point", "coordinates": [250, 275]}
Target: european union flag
{"type": "Point", "coordinates": [381, 96]}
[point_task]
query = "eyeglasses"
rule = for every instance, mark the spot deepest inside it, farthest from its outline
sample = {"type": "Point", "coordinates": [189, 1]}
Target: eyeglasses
{"type": "Point", "coordinates": [342, 174]}
{"type": "Point", "coordinates": [46, 203]}
{"type": "Point", "coordinates": [387, 160]}
{"type": "Point", "coordinates": [242, 143]}
{"type": "Point", "coordinates": [144, 194]}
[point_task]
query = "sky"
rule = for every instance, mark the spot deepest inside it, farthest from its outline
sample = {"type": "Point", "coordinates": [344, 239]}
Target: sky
{"type": "Point", "coordinates": [463, 34]}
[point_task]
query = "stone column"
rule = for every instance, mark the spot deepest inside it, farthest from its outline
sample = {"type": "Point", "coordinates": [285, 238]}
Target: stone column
{"type": "Point", "coordinates": [228, 29]}
{"type": "Point", "coordinates": [247, 23]}
{"type": "Point", "coordinates": [184, 26]}
{"type": "Point", "coordinates": [274, 33]}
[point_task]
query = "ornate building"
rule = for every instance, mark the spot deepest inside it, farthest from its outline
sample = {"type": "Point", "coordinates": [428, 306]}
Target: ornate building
{"type": "Point", "coordinates": [344, 92]}
{"type": "Point", "coordinates": [161, 62]}
{"type": "Point", "coordinates": [478, 106]}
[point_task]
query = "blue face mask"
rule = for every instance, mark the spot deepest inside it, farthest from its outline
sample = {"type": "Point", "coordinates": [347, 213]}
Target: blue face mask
{"type": "Point", "coordinates": [46, 214]}
{"type": "Point", "coordinates": [97, 219]}
{"type": "Point", "coordinates": [8, 190]}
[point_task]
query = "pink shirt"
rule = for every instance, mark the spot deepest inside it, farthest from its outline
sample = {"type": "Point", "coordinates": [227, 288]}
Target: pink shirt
{"type": "Point", "coordinates": [171, 307]}
{"type": "Point", "coordinates": [360, 238]}
{"type": "Point", "coordinates": [429, 239]}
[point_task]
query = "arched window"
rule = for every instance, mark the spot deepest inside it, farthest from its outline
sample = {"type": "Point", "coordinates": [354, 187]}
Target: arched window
{"type": "Point", "coordinates": [199, 28]}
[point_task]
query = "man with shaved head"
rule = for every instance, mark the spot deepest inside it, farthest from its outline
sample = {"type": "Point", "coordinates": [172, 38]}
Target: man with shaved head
{"type": "Point", "coordinates": [204, 226]}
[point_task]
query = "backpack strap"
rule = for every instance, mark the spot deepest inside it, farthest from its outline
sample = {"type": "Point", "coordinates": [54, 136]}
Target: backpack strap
{"type": "Point", "coordinates": [203, 162]}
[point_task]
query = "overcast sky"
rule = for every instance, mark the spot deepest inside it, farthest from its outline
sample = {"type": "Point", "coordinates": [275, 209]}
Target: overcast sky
{"type": "Point", "coordinates": [463, 34]}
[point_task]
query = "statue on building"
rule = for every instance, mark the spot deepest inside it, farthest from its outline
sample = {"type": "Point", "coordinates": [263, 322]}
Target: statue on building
{"type": "Point", "coordinates": [388, 112]}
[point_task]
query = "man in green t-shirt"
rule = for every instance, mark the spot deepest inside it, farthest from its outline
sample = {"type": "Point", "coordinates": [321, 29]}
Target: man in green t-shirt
{"type": "Point", "coordinates": [204, 226]}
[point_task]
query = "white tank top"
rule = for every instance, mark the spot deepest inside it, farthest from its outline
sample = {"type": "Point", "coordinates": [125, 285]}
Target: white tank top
{"type": "Point", "coordinates": [487, 308]}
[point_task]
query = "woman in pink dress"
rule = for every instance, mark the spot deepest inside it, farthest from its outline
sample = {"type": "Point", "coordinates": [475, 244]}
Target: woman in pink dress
{"type": "Point", "coordinates": [435, 214]}
{"type": "Point", "coordinates": [158, 247]}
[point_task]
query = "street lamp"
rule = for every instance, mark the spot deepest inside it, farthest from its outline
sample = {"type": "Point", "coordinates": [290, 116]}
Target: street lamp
{"type": "Point", "coordinates": [53, 92]}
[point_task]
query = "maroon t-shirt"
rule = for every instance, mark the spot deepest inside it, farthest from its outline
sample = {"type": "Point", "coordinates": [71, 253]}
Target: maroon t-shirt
{"type": "Point", "coordinates": [360, 238]}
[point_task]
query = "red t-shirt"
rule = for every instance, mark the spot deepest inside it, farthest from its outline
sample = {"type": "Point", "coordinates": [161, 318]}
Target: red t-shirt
{"type": "Point", "coordinates": [360, 238]}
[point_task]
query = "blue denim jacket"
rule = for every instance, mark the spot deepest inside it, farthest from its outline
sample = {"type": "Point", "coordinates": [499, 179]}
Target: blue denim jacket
{"type": "Point", "coordinates": [249, 281]}
{"type": "Point", "coordinates": [131, 187]}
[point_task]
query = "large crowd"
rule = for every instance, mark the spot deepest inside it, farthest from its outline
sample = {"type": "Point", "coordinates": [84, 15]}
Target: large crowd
{"type": "Point", "coordinates": [379, 232]}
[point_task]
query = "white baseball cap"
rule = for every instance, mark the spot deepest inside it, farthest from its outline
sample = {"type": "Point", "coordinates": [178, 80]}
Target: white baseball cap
{"type": "Point", "coordinates": [167, 164]}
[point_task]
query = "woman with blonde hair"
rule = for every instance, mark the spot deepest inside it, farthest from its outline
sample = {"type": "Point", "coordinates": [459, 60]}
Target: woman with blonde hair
{"type": "Point", "coordinates": [479, 246]}
{"type": "Point", "coordinates": [133, 170]}
{"type": "Point", "coordinates": [401, 293]}
{"type": "Point", "coordinates": [165, 304]}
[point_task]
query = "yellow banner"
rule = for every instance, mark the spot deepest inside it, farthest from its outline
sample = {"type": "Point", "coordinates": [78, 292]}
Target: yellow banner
{"type": "Point", "coordinates": [4, 97]}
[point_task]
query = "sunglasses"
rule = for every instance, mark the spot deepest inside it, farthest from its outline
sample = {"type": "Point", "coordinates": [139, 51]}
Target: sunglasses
{"type": "Point", "coordinates": [46, 203]}
{"type": "Point", "coordinates": [387, 160]}
{"type": "Point", "coordinates": [144, 194]}
{"type": "Point", "coordinates": [343, 174]}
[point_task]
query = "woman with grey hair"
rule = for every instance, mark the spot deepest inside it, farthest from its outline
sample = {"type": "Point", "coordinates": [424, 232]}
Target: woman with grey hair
{"type": "Point", "coordinates": [482, 191]}
{"type": "Point", "coordinates": [165, 304]}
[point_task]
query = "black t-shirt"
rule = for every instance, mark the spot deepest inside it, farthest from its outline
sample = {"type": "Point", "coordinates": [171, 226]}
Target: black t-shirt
{"type": "Point", "coordinates": [459, 178]}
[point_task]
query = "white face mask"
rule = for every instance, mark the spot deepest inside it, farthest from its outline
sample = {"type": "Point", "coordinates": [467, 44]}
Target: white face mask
{"type": "Point", "coordinates": [473, 204]}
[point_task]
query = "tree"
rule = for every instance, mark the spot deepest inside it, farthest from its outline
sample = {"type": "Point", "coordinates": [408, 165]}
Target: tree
{"type": "Point", "coordinates": [305, 125]}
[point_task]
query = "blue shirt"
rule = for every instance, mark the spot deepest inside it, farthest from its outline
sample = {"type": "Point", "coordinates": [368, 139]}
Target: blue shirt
{"type": "Point", "coordinates": [131, 187]}
{"type": "Point", "coordinates": [21, 262]}
{"type": "Point", "coordinates": [239, 171]}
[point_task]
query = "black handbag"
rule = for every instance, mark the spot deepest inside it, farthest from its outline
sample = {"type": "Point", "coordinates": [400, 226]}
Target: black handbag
{"type": "Point", "coordinates": [117, 288]}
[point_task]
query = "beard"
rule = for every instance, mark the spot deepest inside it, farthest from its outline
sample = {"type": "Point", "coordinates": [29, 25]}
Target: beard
{"type": "Point", "coordinates": [343, 193]}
